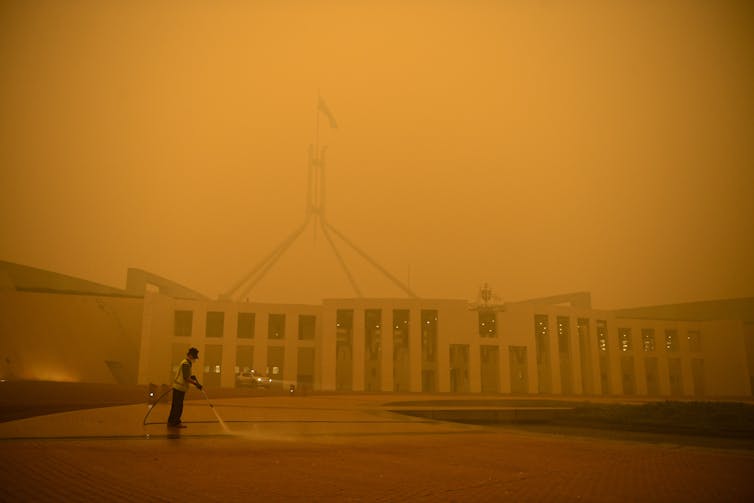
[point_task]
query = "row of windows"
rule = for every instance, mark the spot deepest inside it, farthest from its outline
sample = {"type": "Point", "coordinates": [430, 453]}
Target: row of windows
{"type": "Point", "coordinates": [670, 342]}
{"type": "Point", "coordinates": [245, 326]}
{"type": "Point", "coordinates": [245, 329]}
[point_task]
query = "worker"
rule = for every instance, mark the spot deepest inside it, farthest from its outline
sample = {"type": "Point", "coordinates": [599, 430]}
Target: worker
{"type": "Point", "coordinates": [181, 381]}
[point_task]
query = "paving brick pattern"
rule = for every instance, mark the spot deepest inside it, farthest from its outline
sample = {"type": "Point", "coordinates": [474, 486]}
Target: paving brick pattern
{"type": "Point", "coordinates": [478, 465]}
{"type": "Point", "coordinates": [345, 450]}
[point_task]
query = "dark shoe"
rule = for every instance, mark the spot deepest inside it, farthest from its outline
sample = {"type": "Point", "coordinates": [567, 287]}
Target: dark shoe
{"type": "Point", "coordinates": [179, 425]}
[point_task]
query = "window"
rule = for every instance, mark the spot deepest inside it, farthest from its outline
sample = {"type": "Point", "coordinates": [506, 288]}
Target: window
{"type": "Point", "coordinates": [604, 359]}
{"type": "Point", "coordinates": [213, 359]}
{"type": "Point", "coordinates": [541, 339]}
{"type": "Point", "coordinates": [519, 372]}
{"type": "Point", "coordinates": [276, 326]}
{"type": "Point", "coordinates": [244, 364]}
{"type": "Point", "coordinates": [695, 341]}
{"type": "Point", "coordinates": [306, 326]}
{"type": "Point", "coordinates": [602, 335]}
{"type": "Point", "coordinates": [648, 339]}
{"type": "Point", "coordinates": [624, 339]}
{"type": "Point", "coordinates": [276, 365]}
{"type": "Point", "coordinates": [564, 334]}
{"type": "Point", "coordinates": [542, 348]}
{"type": "Point", "coordinates": [215, 322]}
{"type": "Point", "coordinates": [564, 350]}
{"type": "Point", "coordinates": [372, 334]}
{"type": "Point", "coordinates": [487, 324]}
{"type": "Point", "coordinates": [400, 329]}
{"type": "Point", "coordinates": [183, 320]}
{"type": "Point", "coordinates": [671, 340]}
{"type": "Point", "coordinates": [245, 326]}
{"type": "Point", "coordinates": [628, 374]}
{"type": "Point", "coordinates": [585, 352]}
{"type": "Point", "coordinates": [344, 327]}
{"type": "Point", "coordinates": [344, 349]}
{"type": "Point", "coordinates": [401, 366]}
{"type": "Point", "coordinates": [372, 349]}
{"type": "Point", "coordinates": [429, 335]}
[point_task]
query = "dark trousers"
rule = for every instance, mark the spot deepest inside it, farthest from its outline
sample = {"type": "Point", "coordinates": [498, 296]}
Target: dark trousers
{"type": "Point", "coordinates": [176, 408]}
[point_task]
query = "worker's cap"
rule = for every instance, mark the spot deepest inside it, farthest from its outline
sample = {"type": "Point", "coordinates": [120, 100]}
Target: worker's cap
{"type": "Point", "coordinates": [193, 353]}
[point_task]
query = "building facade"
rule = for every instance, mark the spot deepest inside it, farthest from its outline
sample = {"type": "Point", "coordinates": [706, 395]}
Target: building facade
{"type": "Point", "coordinates": [447, 346]}
{"type": "Point", "coordinates": [60, 328]}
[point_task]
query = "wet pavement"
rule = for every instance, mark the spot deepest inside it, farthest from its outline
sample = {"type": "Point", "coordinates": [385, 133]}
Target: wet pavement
{"type": "Point", "coordinates": [343, 448]}
{"type": "Point", "coordinates": [281, 415]}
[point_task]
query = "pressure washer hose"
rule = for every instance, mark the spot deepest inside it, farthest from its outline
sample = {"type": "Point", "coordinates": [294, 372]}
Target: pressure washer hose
{"type": "Point", "coordinates": [151, 405]}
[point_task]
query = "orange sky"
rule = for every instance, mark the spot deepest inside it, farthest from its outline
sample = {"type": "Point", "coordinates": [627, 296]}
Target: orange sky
{"type": "Point", "coordinates": [540, 146]}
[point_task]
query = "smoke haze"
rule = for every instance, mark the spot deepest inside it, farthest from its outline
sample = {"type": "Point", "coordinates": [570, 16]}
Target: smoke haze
{"type": "Point", "coordinates": [542, 147]}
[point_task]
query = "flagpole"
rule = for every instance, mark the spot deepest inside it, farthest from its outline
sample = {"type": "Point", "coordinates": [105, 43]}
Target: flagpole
{"type": "Point", "coordinates": [317, 168]}
{"type": "Point", "coordinates": [316, 132]}
{"type": "Point", "coordinates": [316, 208]}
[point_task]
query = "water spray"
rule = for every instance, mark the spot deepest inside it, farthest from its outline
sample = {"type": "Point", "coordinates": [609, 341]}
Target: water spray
{"type": "Point", "coordinates": [222, 423]}
{"type": "Point", "coordinates": [152, 405]}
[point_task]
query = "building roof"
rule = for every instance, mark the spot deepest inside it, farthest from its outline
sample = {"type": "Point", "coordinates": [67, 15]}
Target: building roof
{"type": "Point", "coordinates": [726, 309]}
{"type": "Point", "coordinates": [31, 279]}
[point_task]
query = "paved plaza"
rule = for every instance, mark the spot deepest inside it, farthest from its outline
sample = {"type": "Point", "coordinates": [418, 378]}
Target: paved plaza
{"type": "Point", "coordinates": [342, 448]}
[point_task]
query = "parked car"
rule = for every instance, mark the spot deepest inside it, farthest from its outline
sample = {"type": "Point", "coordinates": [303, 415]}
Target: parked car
{"type": "Point", "coordinates": [250, 378]}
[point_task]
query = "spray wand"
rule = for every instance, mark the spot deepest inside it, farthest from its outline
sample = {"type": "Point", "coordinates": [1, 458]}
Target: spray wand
{"type": "Point", "coordinates": [225, 426]}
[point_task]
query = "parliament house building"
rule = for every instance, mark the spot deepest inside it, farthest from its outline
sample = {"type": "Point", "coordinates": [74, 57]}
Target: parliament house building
{"type": "Point", "coordinates": [57, 327]}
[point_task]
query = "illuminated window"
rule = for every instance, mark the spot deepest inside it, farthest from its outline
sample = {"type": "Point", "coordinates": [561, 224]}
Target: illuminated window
{"type": "Point", "coordinates": [212, 359]}
{"type": "Point", "coordinates": [275, 365]}
{"type": "Point", "coordinates": [564, 334]}
{"type": "Point", "coordinates": [344, 328]}
{"type": "Point", "coordinates": [400, 329]}
{"type": "Point", "coordinates": [604, 360]}
{"type": "Point", "coordinates": [429, 335]}
{"type": "Point", "coordinates": [648, 339]}
{"type": "Point", "coordinates": [487, 324]}
{"type": "Point", "coordinates": [542, 348]}
{"type": "Point", "coordinates": [602, 335]}
{"type": "Point", "coordinates": [695, 341]}
{"type": "Point", "coordinates": [564, 350]}
{"type": "Point", "coordinates": [542, 343]}
{"type": "Point", "coordinates": [671, 340]}
{"type": "Point", "coordinates": [624, 339]}
{"type": "Point", "coordinates": [276, 326]}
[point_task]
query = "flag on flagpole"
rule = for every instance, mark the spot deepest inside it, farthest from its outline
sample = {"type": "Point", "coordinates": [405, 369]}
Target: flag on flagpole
{"type": "Point", "coordinates": [323, 108]}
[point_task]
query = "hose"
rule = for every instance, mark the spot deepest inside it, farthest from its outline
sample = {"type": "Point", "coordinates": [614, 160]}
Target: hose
{"type": "Point", "coordinates": [151, 405]}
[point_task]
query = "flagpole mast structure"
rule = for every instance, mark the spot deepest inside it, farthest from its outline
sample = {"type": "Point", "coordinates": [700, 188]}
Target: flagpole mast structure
{"type": "Point", "coordinates": [315, 213]}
